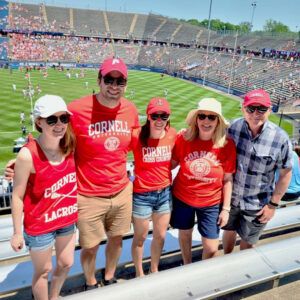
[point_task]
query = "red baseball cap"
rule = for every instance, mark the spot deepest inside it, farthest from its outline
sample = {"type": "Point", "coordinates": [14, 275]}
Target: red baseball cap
{"type": "Point", "coordinates": [114, 64]}
{"type": "Point", "coordinates": [158, 104]}
{"type": "Point", "coordinates": [259, 96]}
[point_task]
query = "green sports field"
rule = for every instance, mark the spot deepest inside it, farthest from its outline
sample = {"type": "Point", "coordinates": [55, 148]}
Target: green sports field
{"type": "Point", "coordinates": [182, 96]}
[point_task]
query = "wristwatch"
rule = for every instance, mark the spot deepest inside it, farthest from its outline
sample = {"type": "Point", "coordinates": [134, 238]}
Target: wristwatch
{"type": "Point", "coordinates": [273, 205]}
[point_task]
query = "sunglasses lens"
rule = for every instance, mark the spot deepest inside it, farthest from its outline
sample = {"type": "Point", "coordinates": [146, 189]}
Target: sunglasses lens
{"type": "Point", "coordinates": [201, 116]}
{"type": "Point", "coordinates": [65, 119]}
{"type": "Point", "coordinates": [108, 80]}
{"type": "Point", "coordinates": [250, 109]}
{"type": "Point", "coordinates": [262, 109]}
{"type": "Point", "coordinates": [121, 81]}
{"type": "Point", "coordinates": [164, 117]}
{"type": "Point", "coordinates": [51, 120]}
{"type": "Point", "coordinates": [211, 117]}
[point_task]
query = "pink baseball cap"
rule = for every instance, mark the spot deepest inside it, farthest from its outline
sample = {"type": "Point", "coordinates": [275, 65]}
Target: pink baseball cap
{"type": "Point", "coordinates": [158, 104]}
{"type": "Point", "coordinates": [259, 96]}
{"type": "Point", "coordinates": [113, 64]}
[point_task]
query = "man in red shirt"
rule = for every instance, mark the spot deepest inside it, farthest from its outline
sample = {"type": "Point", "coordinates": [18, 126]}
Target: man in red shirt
{"type": "Point", "coordinates": [103, 125]}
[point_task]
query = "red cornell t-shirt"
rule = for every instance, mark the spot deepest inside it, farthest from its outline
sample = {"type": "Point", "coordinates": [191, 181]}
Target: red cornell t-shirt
{"type": "Point", "coordinates": [103, 138]}
{"type": "Point", "coordinates": [199, 182]}
{"type": "Point", "coordinates": [152, 163]}
{"type": "Point", "coordinates": [50, 200]}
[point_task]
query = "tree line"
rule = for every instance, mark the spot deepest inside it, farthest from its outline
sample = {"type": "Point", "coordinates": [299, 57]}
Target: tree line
{"type": "Point", "coordinates": [271, 26]}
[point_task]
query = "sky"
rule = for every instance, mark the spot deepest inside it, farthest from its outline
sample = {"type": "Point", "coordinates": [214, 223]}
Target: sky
{"type": "Point", "coordinates": [232, 11]}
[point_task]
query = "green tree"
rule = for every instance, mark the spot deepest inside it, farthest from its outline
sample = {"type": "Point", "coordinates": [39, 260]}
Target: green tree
{"type": "Point", "coordinates": [245, 27]}
{"type": "Point", "coordinates": [194, 22]}
{"type": "Point", "coordinates": [275, 26]}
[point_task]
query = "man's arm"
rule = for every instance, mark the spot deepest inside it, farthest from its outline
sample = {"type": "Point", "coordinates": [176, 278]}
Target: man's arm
{"type": "Point", "coordinates": [268, 211]}
{"type": "Point", "coordinates": [282, 185]}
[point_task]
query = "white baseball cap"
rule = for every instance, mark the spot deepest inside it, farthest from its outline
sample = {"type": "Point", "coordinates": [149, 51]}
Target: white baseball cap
{"type": "Point", "coordinates": [208, 104]}
{"type": "Point", "coordinates": [48, 105]}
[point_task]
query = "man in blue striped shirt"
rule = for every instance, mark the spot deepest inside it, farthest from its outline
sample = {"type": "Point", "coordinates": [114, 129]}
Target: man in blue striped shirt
{"type": "Point", "coordinates": [262, 148]}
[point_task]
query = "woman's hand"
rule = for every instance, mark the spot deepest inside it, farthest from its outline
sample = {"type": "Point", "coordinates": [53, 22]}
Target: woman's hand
{"type": "Point", "coordinates": [17, 242]}
{"type": "Point", "coordinates": [223, 218]}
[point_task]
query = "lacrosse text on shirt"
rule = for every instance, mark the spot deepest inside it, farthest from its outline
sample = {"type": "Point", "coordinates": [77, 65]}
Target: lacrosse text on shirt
{"type": "Point", "coordinates": [61, 212]}
{"type": "Point", "coordinates": [51, 191]}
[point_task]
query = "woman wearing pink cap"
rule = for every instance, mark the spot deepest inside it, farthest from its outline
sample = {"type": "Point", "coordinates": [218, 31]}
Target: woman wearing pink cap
{"type": "Point", "coordinates": [203, 184]}
{"type": "Point", "coordinates": [45, 189]}
{"type": "Point", "coordinates": [152, 146]}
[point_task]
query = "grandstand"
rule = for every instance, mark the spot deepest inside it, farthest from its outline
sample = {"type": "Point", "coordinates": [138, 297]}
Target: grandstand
{"type": "Point", "coordinates": [86, 36]}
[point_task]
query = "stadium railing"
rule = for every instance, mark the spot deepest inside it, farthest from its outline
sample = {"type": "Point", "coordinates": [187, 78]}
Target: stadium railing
{"type": "Point", "coordinates": [5, 194]}
{"type": "Point", "coordinates": [17, 275]}
{"type": "Point", "coordinates": [210, 278]}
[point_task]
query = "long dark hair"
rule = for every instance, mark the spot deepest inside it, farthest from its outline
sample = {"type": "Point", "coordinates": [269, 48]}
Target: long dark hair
{"type": "Point", "coordinates": [145, 132]}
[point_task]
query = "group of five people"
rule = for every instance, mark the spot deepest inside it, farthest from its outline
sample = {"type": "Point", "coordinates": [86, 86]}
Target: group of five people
{"type": "Point", "coordinates": [225, 178]}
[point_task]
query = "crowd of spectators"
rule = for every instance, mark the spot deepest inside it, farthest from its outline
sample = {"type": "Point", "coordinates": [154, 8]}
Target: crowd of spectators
{"type": "Point", "coordinates": [244, 71]}
{"type": "Point", "coordinates": [275, 70]}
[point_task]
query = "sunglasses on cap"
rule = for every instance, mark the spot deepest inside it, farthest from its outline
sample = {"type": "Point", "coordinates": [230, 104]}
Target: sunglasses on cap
{"type": "Point", "coordinates": [120, 81]}
{"type": "Point", "coordinates": [209, 117]}
{"type": "Point", "coordinates": [163, 117]}
{"type": "Point", "coordinates": [52, 120]}
{"type": "Point", "coordinates": [260, 109]}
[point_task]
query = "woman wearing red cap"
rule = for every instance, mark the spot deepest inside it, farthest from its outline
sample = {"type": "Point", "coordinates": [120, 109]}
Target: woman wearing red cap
{"type": "Point", "coordinates": [152, 146]}
{"type": "Point", "coordinates": [203, 184]}
{"type": "Point", "coordinates": [45, 189]}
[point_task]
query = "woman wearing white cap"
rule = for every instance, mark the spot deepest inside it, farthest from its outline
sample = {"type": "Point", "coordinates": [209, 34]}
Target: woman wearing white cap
{"type": "Point", "coordinates": [152, 148]}
{"type": "Point", "coordinates": [203, 184]}
{"type": "Point", "coordinates": [45, 189]}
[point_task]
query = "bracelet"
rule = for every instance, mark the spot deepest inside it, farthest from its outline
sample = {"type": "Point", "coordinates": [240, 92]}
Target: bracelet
{"type": "Point", "coordinates": [273, 204]}
{"type": "Point", "coordinates": [226, 209]}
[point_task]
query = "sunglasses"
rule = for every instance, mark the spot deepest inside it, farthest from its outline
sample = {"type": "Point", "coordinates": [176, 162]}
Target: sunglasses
{"type": "Point", "coordinates": [251, 109]}
{"type": "Point", "coordinates": [209, 117]}
{"type": "Point", "coordinates": [163, 117]}
{"type": "Point", "coordinates": [52, 120]}
{"type": "Point", "coordinates": [120, 81]}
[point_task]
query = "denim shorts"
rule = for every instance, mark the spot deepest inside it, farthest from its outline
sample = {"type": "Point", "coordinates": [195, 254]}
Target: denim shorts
{"type": "Point", "coordinates": [144, 204]}
{"type": "Point", "coordinates": [183, 217]}
{"type": "Point", "coordinates": [46, 240]}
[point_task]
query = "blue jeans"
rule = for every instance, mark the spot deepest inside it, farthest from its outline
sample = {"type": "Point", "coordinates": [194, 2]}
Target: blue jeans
{"type": "Point", "coordinates": [46, 240]}
{"type": "Point", "coordinates": [145, 204]}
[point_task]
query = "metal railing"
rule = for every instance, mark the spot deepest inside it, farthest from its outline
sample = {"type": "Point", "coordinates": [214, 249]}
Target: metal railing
{"type": "Point", "coordinates": [5, 194]}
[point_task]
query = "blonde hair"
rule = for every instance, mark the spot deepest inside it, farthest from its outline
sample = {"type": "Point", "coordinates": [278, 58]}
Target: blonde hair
{"type": "Point", "coordinates": [218, 138]}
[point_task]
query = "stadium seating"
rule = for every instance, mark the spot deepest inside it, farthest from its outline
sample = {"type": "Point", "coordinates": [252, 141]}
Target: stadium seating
{"type": "Point", "coordinates": [3, 48]}
{"type": "Point", "coordinates": [18, 275]}
{"type": "Point", "coordinates": [210, 278]}
{"type": "Point", "coordinates": [58, 19]}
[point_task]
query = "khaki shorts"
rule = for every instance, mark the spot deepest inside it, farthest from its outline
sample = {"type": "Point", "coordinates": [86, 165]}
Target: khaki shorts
{"type": "Point", "coordinates": [99, 217]}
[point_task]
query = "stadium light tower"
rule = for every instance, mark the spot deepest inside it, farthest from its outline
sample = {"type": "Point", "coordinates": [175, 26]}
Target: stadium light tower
{"type": "Point", "coordinates": [208, 40]}
{"type": "Point", "coordinates": [253, 4]}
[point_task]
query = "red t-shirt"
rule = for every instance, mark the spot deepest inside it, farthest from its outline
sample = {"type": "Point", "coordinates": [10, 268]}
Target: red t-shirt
{"type": "Point", "coordinates": [103, 138]}
{"type": "Point", "coordinates": [152, 163]}
{"type": "Point", "coordinates": [199, 181]}
{"type": "Point", "coordinates": [50, 200]}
